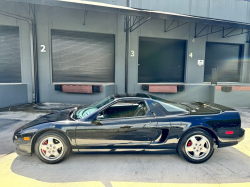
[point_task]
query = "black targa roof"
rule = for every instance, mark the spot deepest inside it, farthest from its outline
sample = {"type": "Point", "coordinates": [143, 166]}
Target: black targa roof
{"type": "Point", "coordinates": [140, 95]}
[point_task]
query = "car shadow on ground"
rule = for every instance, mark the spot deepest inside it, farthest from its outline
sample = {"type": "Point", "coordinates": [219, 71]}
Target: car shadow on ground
{"type": "Point", "coordinates": [227, 165]}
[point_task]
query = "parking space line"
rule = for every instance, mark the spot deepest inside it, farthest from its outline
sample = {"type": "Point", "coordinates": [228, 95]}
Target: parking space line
{"type": "Point", "coordinates": [244, 146]}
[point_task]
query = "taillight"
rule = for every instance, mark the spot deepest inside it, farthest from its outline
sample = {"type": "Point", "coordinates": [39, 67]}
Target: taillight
{"type": "Point", "coordinates": [229, 132]}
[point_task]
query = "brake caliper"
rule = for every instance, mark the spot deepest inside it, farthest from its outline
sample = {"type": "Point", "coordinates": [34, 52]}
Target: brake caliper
{"type": "Point", "coordinates": [189, 143]}
{"type": "Point", "coordinates": [45, 143]}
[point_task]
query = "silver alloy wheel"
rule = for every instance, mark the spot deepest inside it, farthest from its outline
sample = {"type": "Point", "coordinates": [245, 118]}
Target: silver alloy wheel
{"type": "Point", "coordinates": [51, 148]}
{"type": "Point", "coordinates": [197, 147]}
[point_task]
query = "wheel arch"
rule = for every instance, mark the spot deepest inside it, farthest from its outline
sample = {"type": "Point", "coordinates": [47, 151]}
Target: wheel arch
{"type": "Point", "coordinates": [39, 133]}
{"type": "Point", "coordinates": [211, 132]}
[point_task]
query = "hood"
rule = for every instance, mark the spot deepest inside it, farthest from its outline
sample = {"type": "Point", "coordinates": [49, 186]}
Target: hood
{"type": "Point", "coordinates": [56, 116]}
{"type": "Point", "coordinates": [206, 108]}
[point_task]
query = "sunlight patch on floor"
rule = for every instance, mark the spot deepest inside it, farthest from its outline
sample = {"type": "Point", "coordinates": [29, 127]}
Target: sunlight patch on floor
{"type": "Point", "coordinates": [244, 146]}
{"type": "Point", "coordinates": [8, 178]}
{"type": "Point", "coordinates": [142, 184]}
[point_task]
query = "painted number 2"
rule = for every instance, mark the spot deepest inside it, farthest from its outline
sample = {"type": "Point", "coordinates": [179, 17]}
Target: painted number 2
{"type": "Point", "coordinates": [43, 50]}
{"type": "Point", "coordinates": [132, 53]}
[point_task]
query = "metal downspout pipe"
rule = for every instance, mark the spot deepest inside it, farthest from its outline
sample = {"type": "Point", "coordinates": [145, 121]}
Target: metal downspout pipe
{"type": "Point", "coordinates": [127, 49]}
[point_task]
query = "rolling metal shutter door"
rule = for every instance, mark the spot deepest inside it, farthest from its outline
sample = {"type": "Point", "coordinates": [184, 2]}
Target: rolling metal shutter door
{"type": "Point", "coordinates": [161, 60]}
{"type": "Point", "coordinates": [82, 57]}
{"type": "Point", "coordinates": [10, 63]}
{"type": "Point", "coordinates": [226, 57]}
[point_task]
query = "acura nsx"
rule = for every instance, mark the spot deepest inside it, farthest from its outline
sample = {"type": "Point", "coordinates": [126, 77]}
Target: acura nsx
{"type": "Point", "coordinates": [137, 122]}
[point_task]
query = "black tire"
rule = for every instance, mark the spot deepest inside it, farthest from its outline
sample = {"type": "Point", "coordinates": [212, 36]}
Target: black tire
{"type": "Point", "coordinates": [182, 144]}
{"type": "Point", "coordinates": [61, 138]}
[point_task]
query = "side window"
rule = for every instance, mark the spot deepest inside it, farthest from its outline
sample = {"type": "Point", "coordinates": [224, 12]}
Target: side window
{"type": "Point", "coordinates": [156, 108]}
{"type": "Point", "coordinates": [172, 109]}
{"type": "Point", "coordinates": [125, 109]}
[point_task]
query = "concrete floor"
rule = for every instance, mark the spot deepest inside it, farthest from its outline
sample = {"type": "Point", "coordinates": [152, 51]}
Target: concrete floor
{"type": "Point", "coordinates": [228, 165]}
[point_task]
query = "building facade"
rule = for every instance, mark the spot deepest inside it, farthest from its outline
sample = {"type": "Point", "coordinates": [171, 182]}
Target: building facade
{"type": "Point", "coordinates": [77, 46]}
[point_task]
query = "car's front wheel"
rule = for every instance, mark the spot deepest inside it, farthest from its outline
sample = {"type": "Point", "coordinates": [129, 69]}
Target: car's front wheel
{"type": "Point", "coordinates": [52, 147]}
{"type": "Point", "coordinates": [196, 146]}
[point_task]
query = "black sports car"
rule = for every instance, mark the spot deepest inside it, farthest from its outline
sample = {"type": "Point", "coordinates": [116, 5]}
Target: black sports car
{"type": "Point", "coordinates": [139, 122]}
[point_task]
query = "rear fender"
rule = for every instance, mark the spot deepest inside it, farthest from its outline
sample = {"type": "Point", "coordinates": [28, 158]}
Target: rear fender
{"type": "Point", "coordinates": [210, 131]}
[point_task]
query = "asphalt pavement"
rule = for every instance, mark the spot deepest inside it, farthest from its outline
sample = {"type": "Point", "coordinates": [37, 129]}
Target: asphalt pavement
{"type": "Point", "coordinates": [228, 166]}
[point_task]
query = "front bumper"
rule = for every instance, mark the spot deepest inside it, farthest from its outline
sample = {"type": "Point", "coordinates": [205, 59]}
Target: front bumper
{"type": "Point", "coordinates": [22, 147]}
{"type": "Point", "coordinates": [22, 152]}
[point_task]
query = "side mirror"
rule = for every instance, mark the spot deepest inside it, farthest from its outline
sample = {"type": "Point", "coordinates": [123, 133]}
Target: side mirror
{"type": "Point", "coordinates": [99, 117]}
{"type": "Point", "coordinates": [97, 120]}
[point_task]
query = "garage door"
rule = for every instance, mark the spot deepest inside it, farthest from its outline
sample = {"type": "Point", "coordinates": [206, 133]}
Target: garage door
{"type": "Point", "coordinates": [10, 64]}
{"type": "Point", "coordinates": [226, 57]}
{"type": "Point", "coordinates": [82, 57]}
{"type": "Point", "coordinates": [161, 60]}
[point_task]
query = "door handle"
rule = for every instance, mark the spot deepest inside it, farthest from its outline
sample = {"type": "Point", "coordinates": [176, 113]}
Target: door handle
{"type": "Point", "coordinates": [126, 127]}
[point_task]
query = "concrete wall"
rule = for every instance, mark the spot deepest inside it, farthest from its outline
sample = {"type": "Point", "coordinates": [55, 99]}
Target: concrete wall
{"type": "Point", "coordinates": [18, 93]}
{"type": "Point", "coordinates": [69, 19]}
{"type": "Point", "coordinates": [233, 98]}
{"type": "Point", "coordinates": [196, 89]}
{"type": "Point", "coordinates": [192, 92]}
{"type": "Point", "coordinates": [77, 98]}
{"type": "Point", "coordinates": [13, 94]}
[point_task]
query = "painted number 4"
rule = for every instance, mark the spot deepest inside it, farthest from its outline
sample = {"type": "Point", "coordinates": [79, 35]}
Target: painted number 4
{"type": "Point", "coordinates": [43, 50]}
{"type": "Point", "coordinates": [191, 55]}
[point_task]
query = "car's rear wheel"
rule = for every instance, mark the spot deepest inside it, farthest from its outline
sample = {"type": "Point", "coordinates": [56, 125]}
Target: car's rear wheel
{"type": "Point", "coordinates": [52, 147]}
{"type": "Point", "coordinates": [196, 146]}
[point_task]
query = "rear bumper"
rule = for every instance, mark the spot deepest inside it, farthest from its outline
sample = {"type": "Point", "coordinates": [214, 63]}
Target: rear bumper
{"type": "Point", "coordinates": [223, 142]}
{"type": "Point", "coordinates": [241, 135]}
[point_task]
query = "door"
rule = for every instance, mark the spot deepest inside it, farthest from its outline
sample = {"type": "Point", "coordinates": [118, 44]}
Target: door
{"type": "Point", "coordinates": [161, 60]}
{"type": "Point", "coordinates": [126, 124]}
{"type": "Point", "coordinates": [82, 56]}
{"type": "Point", "coordinates": [10, 61]}
{"type": "Point", "coordinates": [226, 58]}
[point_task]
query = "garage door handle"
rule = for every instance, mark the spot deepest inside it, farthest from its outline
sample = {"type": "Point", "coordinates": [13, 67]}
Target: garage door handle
{"type": "Point", "coordinates": [126, 127]}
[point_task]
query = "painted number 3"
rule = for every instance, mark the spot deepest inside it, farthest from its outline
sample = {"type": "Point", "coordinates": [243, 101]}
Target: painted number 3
{"type": "Point", "coordinates": [132, 53]}
{"type": "Point", "coordinates": [43, 50]}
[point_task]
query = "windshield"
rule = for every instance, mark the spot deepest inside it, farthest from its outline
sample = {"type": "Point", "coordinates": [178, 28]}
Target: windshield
{"type": "Point", "coordinates": [83, 112]}
{"type": "Point", "coordinates": [170, 106]}
{"type": "Point", "coordinates": [102, 102]}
